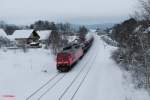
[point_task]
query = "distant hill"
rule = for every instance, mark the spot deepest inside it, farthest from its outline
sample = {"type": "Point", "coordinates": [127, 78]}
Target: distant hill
{"type": "Point", "coordinates": [101, 26]}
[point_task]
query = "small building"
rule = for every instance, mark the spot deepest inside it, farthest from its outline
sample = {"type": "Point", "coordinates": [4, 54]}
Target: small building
{"type": "Point", "coordinates": [30, 37]}
{"type": "Point", "coordinates": [24, 37]}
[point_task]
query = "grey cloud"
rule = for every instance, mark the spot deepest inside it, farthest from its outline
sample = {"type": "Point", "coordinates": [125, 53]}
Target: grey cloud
{"type": "Point", "coordinates": [64, 10]}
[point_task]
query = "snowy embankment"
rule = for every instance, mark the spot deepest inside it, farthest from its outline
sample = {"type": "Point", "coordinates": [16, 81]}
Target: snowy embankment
{"type": "Point", "coordinates": [95, 77]}
{"type": "Point", "coordinates": [106, 81]}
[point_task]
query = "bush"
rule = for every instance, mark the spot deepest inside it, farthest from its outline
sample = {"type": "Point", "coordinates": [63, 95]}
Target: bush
{"type": "Point", "coordinates": [134, 51]}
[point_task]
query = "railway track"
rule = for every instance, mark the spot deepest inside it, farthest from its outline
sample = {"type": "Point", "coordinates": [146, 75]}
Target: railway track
{"type": "Point", "coordinates": [82, 80]}
{"type": "Point", "coordinates": [41, 94]}
{"type": "Point", "coordinates": [50, 87]}
{"type": "Point", "coordinates": [43, 86]}
{"type": "Point", "coordinates": [34, 94]}
{"type": "Point", "coordinates": [31, 97]}
{"type": "Point", "coordinates": [50, 84]}
{"type": "Point", "coordinates": [77, 75]}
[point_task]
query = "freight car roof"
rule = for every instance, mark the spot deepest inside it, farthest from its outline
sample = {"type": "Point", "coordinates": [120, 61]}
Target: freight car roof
{"type": "Point", "coordinates": [71, 48]}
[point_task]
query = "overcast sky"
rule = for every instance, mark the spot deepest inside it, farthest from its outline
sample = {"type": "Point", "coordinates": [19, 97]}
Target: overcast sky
{"type": "Point", "coordinates": [74, 11]}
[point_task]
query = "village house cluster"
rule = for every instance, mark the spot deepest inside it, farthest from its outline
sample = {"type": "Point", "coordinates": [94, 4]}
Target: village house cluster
{"type": "Point", "coordinates": [30, 38]}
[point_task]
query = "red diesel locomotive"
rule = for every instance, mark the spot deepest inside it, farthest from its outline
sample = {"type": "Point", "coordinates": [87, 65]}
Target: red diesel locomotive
{"type": "Point", "coordinates": [71, 54]}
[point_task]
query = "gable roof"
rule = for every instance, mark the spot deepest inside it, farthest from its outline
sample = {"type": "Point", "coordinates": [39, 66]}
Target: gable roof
{"type": "Point", "coordinates": [44, 34]}
{"type": "Point", "coordinates": [21, 34]}
{"type": "Point", "coordinates": [2, 33]}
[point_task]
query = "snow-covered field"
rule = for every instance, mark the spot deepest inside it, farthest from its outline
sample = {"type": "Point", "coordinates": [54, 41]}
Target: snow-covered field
{"type": "Point", "coordinates": [95, 77]}
{"type": "Point", "coordinates": [22, 73]}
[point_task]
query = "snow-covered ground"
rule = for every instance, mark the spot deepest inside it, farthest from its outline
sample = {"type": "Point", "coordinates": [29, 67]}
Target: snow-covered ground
{"type": "Point", "coordinates": [94, 77]}
{"type": "Point", "coordinates": [21, 73]}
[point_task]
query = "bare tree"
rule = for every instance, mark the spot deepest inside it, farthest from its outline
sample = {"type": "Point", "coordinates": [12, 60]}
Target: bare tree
{"type": "Point", "coordinates": [144, 14]}
{"type": "Point", "coordinates": [137, 16]}
{"type": "Point", "coordinates": [134, 51]}
{"type": "Point", "coordinates": [55, 41]}
{"type": "Point", "coordinates": [82, 32]}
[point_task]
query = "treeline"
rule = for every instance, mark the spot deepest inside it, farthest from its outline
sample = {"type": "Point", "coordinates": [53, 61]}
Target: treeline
{"type": "Point", "coordinates": [65, 28]}
{"type": "Point", "coordinates": [59, 36]}
{"type": "Point", "coordinates": [133, 54]}
{"type": "Point", "coordinates": [39, 25]}
{"type": "Point", "coordinates": [46, 25]}
{"type": "Point", "coordinates": [8, 28]}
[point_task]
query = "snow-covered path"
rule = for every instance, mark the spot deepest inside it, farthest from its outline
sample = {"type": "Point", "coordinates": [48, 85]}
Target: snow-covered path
{"type": "Point", "coordinates": [95, 77]}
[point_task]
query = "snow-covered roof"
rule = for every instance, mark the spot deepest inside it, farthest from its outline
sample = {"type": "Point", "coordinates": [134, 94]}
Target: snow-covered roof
{"type": "Point", "coordinates": [21, 34]}
{"type": "Point", "coordinates": [44, 34]}
{"type": "Point", "coordinates": [2, 33]}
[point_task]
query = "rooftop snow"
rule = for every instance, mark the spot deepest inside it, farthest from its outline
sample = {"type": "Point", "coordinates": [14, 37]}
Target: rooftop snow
{"type": "Point", "coordinates": [21, 34]}
{"type": "Point", "coordinates": [44, 34]}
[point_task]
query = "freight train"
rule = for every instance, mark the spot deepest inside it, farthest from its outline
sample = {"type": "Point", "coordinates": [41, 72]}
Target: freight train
{"type": "Point", "coordinates": [71, 54]}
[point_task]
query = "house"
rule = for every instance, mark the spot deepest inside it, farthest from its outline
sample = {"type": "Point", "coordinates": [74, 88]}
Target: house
{"type": "Point", "coordinates": [30, 37]}
{"type": "Point", "coordinates": [3, 33]}
{"type": "Point", "coordinates": [24, 37]}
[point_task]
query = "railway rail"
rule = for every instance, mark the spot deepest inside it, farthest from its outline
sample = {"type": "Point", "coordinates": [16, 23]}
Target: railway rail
{"type": "Point", "coordinates": [75, 78]}
{"type": "Point", "coordinates": [51, 83]}
{"type": "Point", "coordinates": [85, 74]}
{"type": "Point", "coordinates": [40, 88]}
